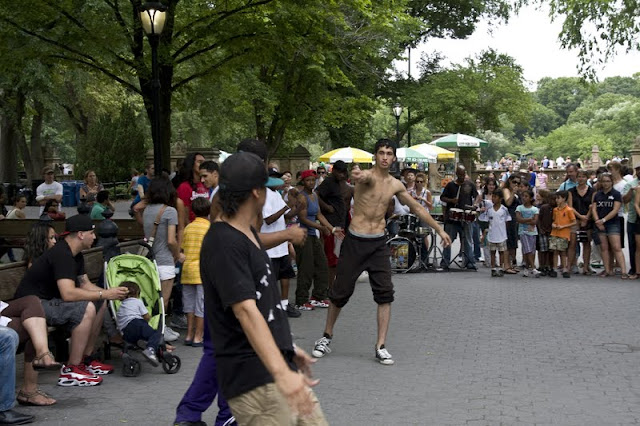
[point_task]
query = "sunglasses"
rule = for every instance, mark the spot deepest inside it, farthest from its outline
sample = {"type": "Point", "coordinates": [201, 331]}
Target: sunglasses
{"type": "Point", "coordinates": [419, 181]}
{"type": "Point", "coordinates": [322, 173]}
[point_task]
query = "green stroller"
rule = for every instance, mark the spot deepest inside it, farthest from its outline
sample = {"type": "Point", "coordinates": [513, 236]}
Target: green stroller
{"type": "Point", "coordinates": [144, 272]}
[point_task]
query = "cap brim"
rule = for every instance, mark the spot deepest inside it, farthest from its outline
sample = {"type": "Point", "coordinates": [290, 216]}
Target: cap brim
{"type": "Point", "coordinates": [274, 182]}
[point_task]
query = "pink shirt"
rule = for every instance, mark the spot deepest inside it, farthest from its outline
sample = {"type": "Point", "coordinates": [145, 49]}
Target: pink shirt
{"type": "Point", "coordinates": [542, 180]}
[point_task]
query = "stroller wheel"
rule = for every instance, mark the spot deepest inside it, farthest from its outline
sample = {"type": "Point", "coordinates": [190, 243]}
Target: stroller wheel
{"type": "Point", "coordinates": [171, 363]}
{"type": "Point", "coordinates": [131, 367]}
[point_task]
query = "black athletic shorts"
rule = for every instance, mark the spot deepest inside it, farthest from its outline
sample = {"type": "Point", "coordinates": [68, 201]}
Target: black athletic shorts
{"type": "Point", "coordinates": [283, 268]}
{"type": "Point", "coordinates": [359, 254]}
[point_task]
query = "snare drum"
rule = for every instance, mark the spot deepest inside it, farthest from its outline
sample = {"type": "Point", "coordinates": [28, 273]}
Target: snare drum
{"type": "Point", "coordinates": [469, 216]}
{"type": "Point", "coordinates": [456, 215]}
{"type": "Point", "coordinates": [407, 225]}
{"type": "Point", "coordinates": [403, 254]}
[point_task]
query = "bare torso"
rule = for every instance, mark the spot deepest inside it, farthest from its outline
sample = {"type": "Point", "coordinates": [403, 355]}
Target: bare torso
{"type": "Point", "coordinates": [371, 200]}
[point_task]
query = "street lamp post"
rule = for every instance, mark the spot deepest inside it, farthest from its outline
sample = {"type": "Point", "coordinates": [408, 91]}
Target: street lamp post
{"type": "Point", "coordinates": [152, 17]}
{"type": "Point", "coordinates": [397, 112]}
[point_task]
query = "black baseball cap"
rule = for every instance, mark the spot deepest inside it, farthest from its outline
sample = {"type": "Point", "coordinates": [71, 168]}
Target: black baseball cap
{"type": "Point", "coordinates": [78, 223]}
{"type": "Point", "coordinates": [245, 171]}
{"type": "Point", "coordinates": [273, 172]}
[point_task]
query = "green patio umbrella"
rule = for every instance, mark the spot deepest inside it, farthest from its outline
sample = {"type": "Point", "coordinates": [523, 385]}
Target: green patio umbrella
{"type": "Point", "coordinates": [458, 140]}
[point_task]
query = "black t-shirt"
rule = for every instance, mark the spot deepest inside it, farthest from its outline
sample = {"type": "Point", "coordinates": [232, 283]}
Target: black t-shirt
{"type": "Point", "coordinates": [56, 263]}
{"type": "Point", "coordinates": [581, 204]}
{"type": "Point", "coordinates": [233, 270]}
{"type": "Point", "coordinates": [604, 202]}
{"type": "Point", "coordinates": [466, 197]}
{"type": "Point", "coordinates": [331, 193]}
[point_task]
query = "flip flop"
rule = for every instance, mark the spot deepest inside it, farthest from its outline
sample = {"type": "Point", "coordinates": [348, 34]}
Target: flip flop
{"type": "Point", "coordinates": [510, 271]}
{"type": "Point", "coordinates": [39, 366]}
{"type": "Point", "coordinates": [24, 398]}
{"type": "Point", "coordinates": [603, 274]}
{"type": "Point", "coordinates": [625, 277]}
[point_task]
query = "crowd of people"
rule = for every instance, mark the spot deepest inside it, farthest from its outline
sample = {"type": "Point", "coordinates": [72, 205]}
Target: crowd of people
{"type": "Point", "coordinates": [255, 226]}
{"type": "Point", "coordinates": [583, 219]}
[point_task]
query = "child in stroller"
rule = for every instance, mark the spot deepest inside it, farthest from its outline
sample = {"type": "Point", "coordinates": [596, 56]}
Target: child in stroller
{"type": "Point", "coordinates": [133, 321]}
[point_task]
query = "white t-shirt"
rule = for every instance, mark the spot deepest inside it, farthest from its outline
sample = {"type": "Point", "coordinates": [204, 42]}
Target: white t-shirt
{"type": "Point", "coordinates": [131, 308]}
{"type": "Point", "coordinates": [274, 203]}
{"type": "Point", "coordinates": [620, 188]}
{"type": "Point", "coordinates": [47, 190]}
{"type": "Point", "coordinates": [399, 208]}
{"type": "Point", "coordinates": [213, 193]}
{"type": "Point", "coordinates": [498, 224]}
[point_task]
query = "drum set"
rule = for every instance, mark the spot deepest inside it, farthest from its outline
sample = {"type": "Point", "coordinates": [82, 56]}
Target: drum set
{"type": "Point", "coordinates": [408, 249]}
{"type": "Point", "coordinates": [407, 245]}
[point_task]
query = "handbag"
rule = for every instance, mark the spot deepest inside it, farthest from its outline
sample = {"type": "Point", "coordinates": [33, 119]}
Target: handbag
{"type": "Point", "coordinates": [148, 245]}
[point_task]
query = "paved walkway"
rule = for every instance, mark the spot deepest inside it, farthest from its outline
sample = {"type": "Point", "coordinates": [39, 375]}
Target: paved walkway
{"type": "Point", "coordinates": [469, 350]}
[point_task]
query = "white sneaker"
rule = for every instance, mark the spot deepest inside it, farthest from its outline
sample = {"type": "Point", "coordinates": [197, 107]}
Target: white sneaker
{"type": "Point", "coordinates": [383, 356]}
{"type": "Point", "coordinates": [170, 335]}
{"type": "Point", "coordinates": [535, 273]}
{"type": "Point", "coordinates": [525, 273]}
{"type": "Point", "coordinates": [150, 355]}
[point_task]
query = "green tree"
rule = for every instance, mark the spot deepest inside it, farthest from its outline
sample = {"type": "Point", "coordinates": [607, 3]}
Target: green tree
{"type": "Point", "coordinates": [562, 95]}
{"type": "Point", "coordinates": [115, 144]}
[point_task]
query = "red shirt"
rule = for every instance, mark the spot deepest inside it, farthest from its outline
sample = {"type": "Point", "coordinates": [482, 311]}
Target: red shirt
{"type": "Point", "coordinates": [187, 194]}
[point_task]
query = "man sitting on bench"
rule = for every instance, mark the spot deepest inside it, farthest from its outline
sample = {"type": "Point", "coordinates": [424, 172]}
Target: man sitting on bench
{"type": "Point", "coordinates": [69, 299]}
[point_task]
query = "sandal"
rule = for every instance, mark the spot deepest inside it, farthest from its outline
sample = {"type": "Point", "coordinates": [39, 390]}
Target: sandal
{"type": "Point", "coordinates": [25, 398]}
{"type": "Point", "coordinates": [603, 274]}
{"type": "Point", "coordinates": [38, 362]}
{"type": "Point", "coordinates": [588, 272]}
{"type": "Point", "coordinates": [511, 271]}
{"type": "Point", "coordinates": [625, 277]}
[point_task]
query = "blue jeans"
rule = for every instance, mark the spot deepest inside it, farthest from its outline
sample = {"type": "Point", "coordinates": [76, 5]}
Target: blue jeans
{"type": "Point", "coordinates": [203, 389]}
{"type": "Point", "coordinates": [8, 345]}
{"type": "Point", "coordinates": [464, 230]}
{"type": "Point", "coordinates": [139, 329]}
{"type": "Point", "coordinates": [477, 251]}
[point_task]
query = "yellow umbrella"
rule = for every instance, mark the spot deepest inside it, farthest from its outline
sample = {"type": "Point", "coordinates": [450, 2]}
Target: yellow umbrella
{"type": "Point", "coordinates": [348, 155]}
{"type": "Point", "coordinates": [427, 149]}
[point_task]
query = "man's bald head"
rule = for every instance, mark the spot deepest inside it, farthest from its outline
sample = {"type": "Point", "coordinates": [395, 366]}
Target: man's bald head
{"type": "Point", "coordinates": [461, 172]}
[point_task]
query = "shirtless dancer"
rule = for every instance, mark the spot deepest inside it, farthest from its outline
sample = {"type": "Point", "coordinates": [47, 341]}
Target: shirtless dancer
{"type": "Point", "coordinates": [365, 248]}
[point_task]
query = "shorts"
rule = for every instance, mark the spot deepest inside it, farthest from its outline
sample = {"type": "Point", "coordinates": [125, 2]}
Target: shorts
{"type": "Point", "coordinates": [60, 313]}
{"type": "Point", "coordinates": [528, 243]}
{"type": "Point", "coordinates": [543, 243]}
{"type": "Point", "coordinates": [558, 244]}
{"type": "Point", "coordinates": [359, 254]}
{"type": "Point", "coordinates": [498, 246]}
{"type": "Point", "coordinates": [612, 227]}
{"type": "Point", "coordinates": [512, 235]}
{"type": "Point", "coordinates": [634, 228]}
{"type": "Point", "coordinates": [166, 272]}
{"type": "Point", "coordinates": [193, 299]}
{"type": "Point", "coordinates": [265, 405]}
{"type": "Point", "coordinates": [483, 225]}
{"type": "Point", "coordinates": [329, 247]}
{"type": "Point", "coordinates": [283, 268]}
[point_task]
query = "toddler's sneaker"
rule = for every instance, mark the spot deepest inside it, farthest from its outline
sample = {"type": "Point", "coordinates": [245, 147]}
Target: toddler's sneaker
{"type": "Point", "coordinates": [322, 347]}
{"type": "Point", "coordinates": [319, 303]}
{"type": "Point", "coordinates": [383, 356]}
{"type": "Point", "coordinates": [150, 355]}
{"type": "Point", "coordinates": [306, 307]}
{"type": "Point", "coordinates": [96, 367]}
{"type": "Point", "coordinates": [77, 375]}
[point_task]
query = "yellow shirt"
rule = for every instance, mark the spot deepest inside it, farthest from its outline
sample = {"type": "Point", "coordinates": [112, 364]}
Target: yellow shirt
{"type": "Point", "coordinates": [191, 244]}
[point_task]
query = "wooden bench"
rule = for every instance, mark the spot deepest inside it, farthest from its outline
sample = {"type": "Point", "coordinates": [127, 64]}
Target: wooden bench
{"type": "Point", "coordinates": [15, 231]}
{"type": "Point", "coordinates": [11, 274]}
